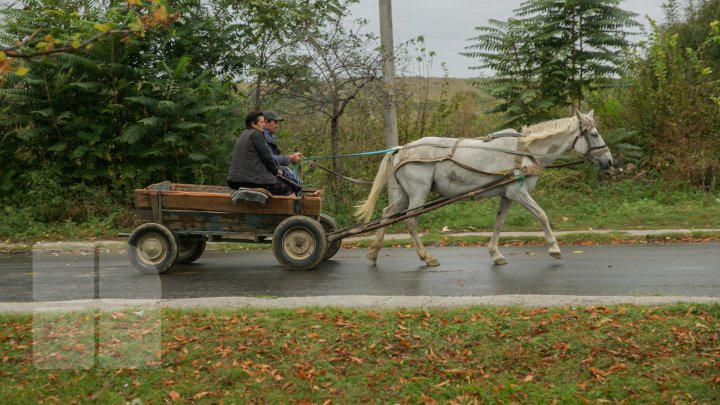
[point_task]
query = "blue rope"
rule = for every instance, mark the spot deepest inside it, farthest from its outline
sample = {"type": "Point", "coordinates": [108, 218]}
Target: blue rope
{"type": "Point", "coordinates": [377, 152]}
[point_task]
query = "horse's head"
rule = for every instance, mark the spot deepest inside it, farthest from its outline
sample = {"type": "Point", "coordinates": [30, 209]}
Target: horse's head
{"type": "Point", "coordinates": [590, 144]}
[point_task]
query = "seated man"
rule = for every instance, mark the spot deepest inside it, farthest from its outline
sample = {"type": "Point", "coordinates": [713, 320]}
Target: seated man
{"type": "Point", "coordinates": [272, 123]}
{"type": "Point", "coordinates": [251, 164]}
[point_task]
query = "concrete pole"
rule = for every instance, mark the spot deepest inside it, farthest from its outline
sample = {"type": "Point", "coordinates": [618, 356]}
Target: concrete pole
{"type": "Point", "coordinates": [388, 58]}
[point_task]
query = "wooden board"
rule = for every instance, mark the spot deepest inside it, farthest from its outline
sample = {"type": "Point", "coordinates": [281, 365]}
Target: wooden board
{"type": "Point", "coordinates": [215, 222]}
{"type": "Point", "coordinates": [188, 197]}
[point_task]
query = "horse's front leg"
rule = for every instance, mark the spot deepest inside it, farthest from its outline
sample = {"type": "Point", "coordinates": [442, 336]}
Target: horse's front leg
{"type": "Point", "coordinates": [429, 259]}
{"type": "Point", "coordinates": [528, 202]}
{"type": "Point", "coordinates": [495, 254]}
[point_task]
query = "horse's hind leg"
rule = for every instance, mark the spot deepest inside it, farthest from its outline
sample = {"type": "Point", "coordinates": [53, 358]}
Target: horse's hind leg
{"type": "Point", "coordinates": [495, 254]}
{"type": "Point", "coordinates": [400, 202]}
{"type": "Point", "coordinates": [376, 245]}
{"type": "Point", "coordinates": [524, 198]}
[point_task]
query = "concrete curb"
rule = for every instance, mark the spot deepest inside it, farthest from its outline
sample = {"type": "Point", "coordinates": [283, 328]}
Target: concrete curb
{"type": "Point", "coordinates": [352, 301]}
{"type": "Point", "coordinates": [115, 244]}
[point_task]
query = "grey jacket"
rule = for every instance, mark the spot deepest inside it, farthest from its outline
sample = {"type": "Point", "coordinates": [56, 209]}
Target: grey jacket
{"type": "Point", "coordinates": [251, 160]}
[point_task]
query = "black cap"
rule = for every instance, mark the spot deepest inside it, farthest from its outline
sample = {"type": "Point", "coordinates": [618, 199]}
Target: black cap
{"type": "Point", "coordinates": [272, 116]}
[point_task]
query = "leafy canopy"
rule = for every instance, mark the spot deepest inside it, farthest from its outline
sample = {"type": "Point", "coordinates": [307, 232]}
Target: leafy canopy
{"type": "Point", "coordinates": [551, 53]}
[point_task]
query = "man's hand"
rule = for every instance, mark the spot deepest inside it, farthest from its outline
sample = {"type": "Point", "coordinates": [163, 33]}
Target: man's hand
{"type": "Point", "coordinates": [295, 157]}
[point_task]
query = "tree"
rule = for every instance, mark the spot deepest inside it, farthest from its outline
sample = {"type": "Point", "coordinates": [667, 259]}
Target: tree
{"type": "Point", "coordinates": [552, 53]}
{"type": "Point", "coordinates": [268, 34]}
{"type": "Point", "coordinates": [673, 100]}
{"type": "Point", "coordinates": [340, 62]}
{"type": "Point", "coordinates": [56, 27]}
{"type": "Point", "coordinates": [117, 112]}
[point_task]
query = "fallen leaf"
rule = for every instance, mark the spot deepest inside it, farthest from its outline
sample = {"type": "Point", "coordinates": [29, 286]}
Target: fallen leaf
{"type": "Point", "coordinates": [174, 396]}
{"type": "Point", "coordinates": [200, 395]}
{"type": "Point", "coordinates": [617, 367]}
{"type": "Point", "coordinates": [578, 252]}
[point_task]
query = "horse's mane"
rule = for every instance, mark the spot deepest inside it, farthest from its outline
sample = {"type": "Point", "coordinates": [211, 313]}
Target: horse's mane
{"type": "Point", "coordinates": [545, 129]}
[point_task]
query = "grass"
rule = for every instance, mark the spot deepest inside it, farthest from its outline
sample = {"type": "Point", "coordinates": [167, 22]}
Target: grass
{"type": "Point", "coordinates": [573, 201]}
{"type": "Point", "coordinates": [630, 354]}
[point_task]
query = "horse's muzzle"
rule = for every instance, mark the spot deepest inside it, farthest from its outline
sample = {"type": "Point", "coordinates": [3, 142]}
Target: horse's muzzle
{"type": "Point", "coordinates": [605, 165]}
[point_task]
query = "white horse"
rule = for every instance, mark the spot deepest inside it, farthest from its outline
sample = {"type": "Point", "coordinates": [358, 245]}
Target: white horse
{"type": "Point", "coordinates": [452, 167]}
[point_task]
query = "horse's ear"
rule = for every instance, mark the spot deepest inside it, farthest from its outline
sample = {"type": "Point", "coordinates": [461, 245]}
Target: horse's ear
{"type": "Point", "coordinates": [591, 114]}
{"type": "Point", "coordinates": [577, 114]}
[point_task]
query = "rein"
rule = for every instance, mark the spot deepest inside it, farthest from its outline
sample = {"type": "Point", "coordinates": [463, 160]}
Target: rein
{"type": "Point", "coordinates": [356, 181]}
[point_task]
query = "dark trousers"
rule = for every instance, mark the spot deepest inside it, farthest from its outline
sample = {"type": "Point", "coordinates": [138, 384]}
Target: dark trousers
{"type": "Point", "coordinates": [279, 188]}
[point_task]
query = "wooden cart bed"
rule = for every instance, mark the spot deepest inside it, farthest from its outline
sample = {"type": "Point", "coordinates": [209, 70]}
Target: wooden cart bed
{"type": "Point", "coordinates": [192, 209]}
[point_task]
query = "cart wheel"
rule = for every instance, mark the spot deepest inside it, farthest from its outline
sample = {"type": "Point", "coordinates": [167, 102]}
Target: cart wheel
{"type": "Point", "coordinates": [330, 225]}
{"type": "Point", "coordinates": [299, 243]}
{"type": "Point", "coordinates": [190, 248]}
{"type": "Point", "coordinates": [152, 248]}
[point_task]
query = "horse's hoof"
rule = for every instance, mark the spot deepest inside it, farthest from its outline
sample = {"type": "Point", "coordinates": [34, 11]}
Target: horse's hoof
{"type": "Point", "coordinates": [500, 261]}
{"type": "Point", "coordinates": [373, 259]}
{"type": "Point", "coordinates": [556, 255]}
{"type": "Point", "coordinates": [432, 262]}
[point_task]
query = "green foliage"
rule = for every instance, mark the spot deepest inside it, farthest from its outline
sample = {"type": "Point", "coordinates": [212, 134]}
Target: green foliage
{"type": "Point", "coordinates": [122, 114]}
{"type": "Point", "coordinates": [670, 104]}
{"type": "Point", "coordinates": [550, 54]}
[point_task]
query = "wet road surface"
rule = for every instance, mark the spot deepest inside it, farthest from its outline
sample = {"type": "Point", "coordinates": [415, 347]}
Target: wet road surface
{"type": "Point", "coordinates": [632, 270]}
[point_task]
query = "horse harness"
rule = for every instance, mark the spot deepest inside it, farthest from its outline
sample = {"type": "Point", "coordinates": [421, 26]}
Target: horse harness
{"type": "Point", "coordinates": [592, 151]}
{"type": "Point", "coordinates": [521, 153]}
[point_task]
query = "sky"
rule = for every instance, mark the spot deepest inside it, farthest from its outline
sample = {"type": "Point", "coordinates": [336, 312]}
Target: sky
{"type": "Point", "coordinates": [446, 24]}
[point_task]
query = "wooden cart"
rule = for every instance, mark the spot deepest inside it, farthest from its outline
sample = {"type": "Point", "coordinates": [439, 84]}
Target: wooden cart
{"type": "Point", "coordinates": [175, 221]}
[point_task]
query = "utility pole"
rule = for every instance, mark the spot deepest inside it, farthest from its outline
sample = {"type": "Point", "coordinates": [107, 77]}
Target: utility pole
{"type": "Point", "coordinates": [388, 58]}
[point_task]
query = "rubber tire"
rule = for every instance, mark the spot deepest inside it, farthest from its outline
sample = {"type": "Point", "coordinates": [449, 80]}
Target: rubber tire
{"type": "Point", "coordinates": [190, 248]}
{"type": "Point", "coordinates": [299, 243]}
{"type": "Point", "coordinates": [152, 248]}
{"type": "Point", "coordinates": [329, 224]}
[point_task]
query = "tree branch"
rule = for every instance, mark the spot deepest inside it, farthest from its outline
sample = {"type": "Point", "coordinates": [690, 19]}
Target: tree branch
{"type": "Point", "coordinates": [13, 53]}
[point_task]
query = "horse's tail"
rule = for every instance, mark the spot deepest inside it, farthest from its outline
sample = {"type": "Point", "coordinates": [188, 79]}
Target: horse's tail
{"type": "Point", "coordinates": [364, 210]}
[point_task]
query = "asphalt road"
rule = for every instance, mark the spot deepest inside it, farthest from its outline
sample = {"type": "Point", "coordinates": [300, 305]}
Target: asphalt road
{"type": "Point", "coordinates": [615, 270]}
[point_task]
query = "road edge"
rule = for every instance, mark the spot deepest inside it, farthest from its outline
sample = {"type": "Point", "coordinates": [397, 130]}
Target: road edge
{"type": "Point", "coordinates": [353, 301]}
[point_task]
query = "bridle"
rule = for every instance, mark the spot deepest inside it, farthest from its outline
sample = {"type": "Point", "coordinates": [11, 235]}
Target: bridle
{"type": "Point", "coordinates": [593, 152]}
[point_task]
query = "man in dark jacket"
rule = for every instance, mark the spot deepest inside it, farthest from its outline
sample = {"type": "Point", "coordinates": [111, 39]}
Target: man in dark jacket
{"type": "Point", "coordinates": [252, 164]}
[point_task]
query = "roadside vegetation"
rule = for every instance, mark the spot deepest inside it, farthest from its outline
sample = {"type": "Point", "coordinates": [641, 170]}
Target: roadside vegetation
{"type": "Point", "coordinates": [592, 354]}
{"type": "Point", "coordinates": [127, 95]}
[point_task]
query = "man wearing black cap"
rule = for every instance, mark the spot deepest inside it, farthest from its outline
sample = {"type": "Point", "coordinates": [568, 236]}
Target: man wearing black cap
{"type": "Point", "coordinates": [272, 123]}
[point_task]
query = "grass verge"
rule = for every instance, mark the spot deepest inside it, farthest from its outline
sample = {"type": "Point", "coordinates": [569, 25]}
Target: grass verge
{"type": "Point", "coordinates": [638, 354]}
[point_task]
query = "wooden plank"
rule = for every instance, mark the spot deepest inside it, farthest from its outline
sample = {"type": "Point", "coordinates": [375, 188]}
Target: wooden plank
{"type": "Point", "coordinates": [196, 201]}
{"type": "Point", "coordinates": [202, 188]}
{"type": "Point", "coordinates": [155, 208]}
{"type": "Point", "coordinates": [203, 221]}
